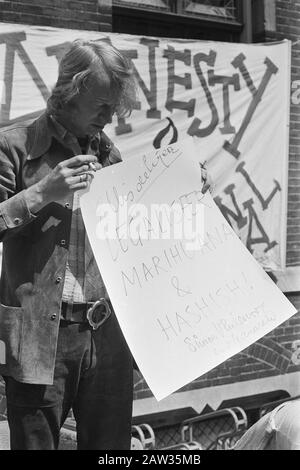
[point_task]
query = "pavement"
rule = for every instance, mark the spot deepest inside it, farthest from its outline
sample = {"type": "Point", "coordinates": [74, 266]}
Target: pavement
{"type": "Point", "coordinates": [4, 436]}
{"type": "Point", "coordinates": [67, 438]}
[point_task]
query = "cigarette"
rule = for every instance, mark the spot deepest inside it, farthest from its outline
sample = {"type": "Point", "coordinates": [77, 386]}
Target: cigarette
{"type": "Point", "coordinates": [92, 166]}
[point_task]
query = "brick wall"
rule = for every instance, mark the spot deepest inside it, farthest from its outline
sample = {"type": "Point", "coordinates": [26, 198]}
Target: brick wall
{"type": "Point", "coordinates": [288, 26]}
{"type": "Point", "coordinates": [74, 14]}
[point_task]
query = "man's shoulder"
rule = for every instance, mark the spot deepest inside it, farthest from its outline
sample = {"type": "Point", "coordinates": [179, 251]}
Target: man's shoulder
{"type": "Point", "coordinates": [20, 135]}
{"type": "Point", "coordinates": [16, 134]}
{"type": "Point", "coordinates": [18, 127]}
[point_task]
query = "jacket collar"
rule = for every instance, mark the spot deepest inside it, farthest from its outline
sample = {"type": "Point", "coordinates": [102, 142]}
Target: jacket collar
{"type": "Point", "coordinates": [41, 138]}
{"type": "Point", "coordinates": [45, 130]}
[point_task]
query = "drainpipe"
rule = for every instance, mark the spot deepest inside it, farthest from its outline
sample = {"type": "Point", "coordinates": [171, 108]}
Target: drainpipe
{"type": "Point", "coordinates": [246, 35]}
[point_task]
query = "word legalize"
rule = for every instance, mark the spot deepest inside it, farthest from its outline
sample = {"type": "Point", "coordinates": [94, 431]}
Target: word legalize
{"type": "Point", "coordinates": [138, 223]}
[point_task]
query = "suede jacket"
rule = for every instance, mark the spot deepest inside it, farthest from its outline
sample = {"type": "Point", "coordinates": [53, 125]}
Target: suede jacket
{"type": "Point", "coordinates": [35, 249]}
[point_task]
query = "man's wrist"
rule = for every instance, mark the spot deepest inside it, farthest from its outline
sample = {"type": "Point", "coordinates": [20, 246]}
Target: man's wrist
{"type": "Point", "coordinates": [35, 198]}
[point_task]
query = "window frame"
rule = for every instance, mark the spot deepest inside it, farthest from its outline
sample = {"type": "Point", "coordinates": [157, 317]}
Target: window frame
{"type": "Point", "coordinates": [180, 12]}
{"type": "Point", "coordinates": [203, 22]}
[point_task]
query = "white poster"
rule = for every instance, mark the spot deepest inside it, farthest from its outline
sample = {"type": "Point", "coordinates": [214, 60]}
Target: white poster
{"type": "Point", "coordinates": [187, 293]}
{"type": "Point", "coordinates": [233, 99]}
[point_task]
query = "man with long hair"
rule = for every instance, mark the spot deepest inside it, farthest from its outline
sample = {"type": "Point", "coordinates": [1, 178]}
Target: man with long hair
{"type": "Point", "coordinates": [63, 345]}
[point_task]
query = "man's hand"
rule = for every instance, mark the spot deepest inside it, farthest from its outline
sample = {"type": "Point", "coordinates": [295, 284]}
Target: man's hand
{"type": "Point", "coordinates": [69, 175]}
{"type": "Point", "coordinates": [206, 178]}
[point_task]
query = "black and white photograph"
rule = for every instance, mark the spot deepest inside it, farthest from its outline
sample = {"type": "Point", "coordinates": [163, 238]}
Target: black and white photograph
{"type": "Point", "coordinates": [149, 228]}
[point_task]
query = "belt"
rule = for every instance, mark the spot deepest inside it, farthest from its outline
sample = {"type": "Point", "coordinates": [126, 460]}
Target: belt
{"type": "Point", "coordinates": [93, 313]}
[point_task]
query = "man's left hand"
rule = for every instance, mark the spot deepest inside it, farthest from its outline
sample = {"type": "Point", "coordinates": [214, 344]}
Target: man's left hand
{"type": "Point", "coordinates": [206, 178]}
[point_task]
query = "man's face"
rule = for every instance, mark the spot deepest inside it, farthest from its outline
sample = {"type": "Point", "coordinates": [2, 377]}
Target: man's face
{"type": "Point", "coordinates": [92, 109]}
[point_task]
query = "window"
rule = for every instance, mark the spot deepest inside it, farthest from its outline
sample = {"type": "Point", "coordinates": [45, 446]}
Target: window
{"type": "Point", "coordinates": [226, 9]}
{"type": "Point", "coordinates": [157, 5]}
{"type": "Point", "coordinates": [219, 20]}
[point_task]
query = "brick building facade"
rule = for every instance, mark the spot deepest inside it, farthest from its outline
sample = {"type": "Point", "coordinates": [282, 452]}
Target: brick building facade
{"type": "Point", "coordinates": [288, 25]}
{"type": "Point", "coordinates": [92, 15]}
{"type": "Point", "coordinates": [277, 354]}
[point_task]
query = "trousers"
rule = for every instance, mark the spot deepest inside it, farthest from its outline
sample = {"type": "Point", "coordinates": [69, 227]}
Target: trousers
{"type": "Point", "coordinates": [93, 376]}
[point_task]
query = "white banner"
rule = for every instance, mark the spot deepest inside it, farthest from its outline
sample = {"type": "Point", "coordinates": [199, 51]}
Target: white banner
{"type": "Point", "coordinates": [233, 99]}
{"type": "Point", "coordinates": [187, 293]}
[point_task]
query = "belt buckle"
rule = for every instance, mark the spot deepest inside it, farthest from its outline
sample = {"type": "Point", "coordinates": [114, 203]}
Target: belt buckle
{"type": "Point", "coordinates": [92, 311]}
